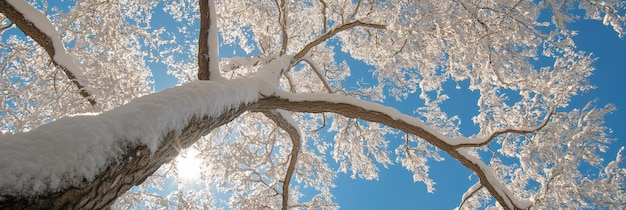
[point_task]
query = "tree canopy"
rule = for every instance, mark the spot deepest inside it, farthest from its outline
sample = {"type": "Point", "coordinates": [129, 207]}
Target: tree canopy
{"type": "Point", "coordinates": [81, 126]}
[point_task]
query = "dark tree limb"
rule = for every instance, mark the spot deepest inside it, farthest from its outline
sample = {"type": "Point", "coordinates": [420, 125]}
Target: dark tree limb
{"type": "Point", "coordinates": [205, 53]}
{"type": "Point", "coordinates": [294, 134]}
{"type": "Point", "coordinates": [354, 111]}
{"type": "Point", "coordinates": [203, 47]}
{"type": "Point", "coordinates": [44, 41]}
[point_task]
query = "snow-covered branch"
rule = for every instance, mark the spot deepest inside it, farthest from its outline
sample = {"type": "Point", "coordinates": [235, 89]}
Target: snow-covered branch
{"type": "Point", "coordinates": [505, 197]}
{"type": "Point", "coordinates": [208, 54]}
{"type": "Point", "coordinates": [369, 111]}
{"type": "Point", "coordinates": [286, 122]}
{"type": "Point", "coordinates": [470, 193]}
{"type": "Point", "coordinates": [37, 26]}
{"type": "Point", "coordinates": [282, 21]}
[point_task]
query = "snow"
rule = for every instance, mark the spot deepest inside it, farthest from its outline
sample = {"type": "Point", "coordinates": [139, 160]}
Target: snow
{"type": "Point", "coordinates": [371, 106]}
{"type": "Point", "coordinates": [214, 63]}
{"type": "Point", "coordinates": [471, 191]}
{"type": "Point", "coordinates": [510, 198]}
{"type": "Point", "coordinates": [40, 21]}
{"type": "Point", "coordinates": [389, 111]}
{"type": "Point", "coordinates": [66, 151]}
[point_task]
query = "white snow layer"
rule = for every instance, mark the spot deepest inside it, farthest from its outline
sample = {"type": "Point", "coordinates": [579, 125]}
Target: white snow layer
{"type": "Point", "coordinates": [510, 198]}
{"type": "Point", "coordinates": [41, 22]}
{"type": "Point", "coordinates": [214, 69]}
{"type": "Point", "coordinates": [67, 151]}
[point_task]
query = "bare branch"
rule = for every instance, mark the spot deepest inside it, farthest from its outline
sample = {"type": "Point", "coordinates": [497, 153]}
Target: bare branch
{"type": "Point", "coordinates": [484, 141]}
{"type": "Point", "coordinates": [48, 43]}
{"type": "Point", "coordinates": [282, 18]}
{"type": "Point", "coordinates": [332, 33]}
{"type": "Point", "coordinates": [324, 6]}
{"type": "Point", "coordinates": [317, 71]}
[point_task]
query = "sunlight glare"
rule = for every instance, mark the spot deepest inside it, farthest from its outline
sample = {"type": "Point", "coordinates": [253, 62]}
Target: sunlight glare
{"type": "Point", "coordinates": [188, 165]}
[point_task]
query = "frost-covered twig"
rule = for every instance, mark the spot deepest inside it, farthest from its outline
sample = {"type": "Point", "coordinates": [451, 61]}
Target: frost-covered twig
{"type": "Point", "coordinates": [37, 26]}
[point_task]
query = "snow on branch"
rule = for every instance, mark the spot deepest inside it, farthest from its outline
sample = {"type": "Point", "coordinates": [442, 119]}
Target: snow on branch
{"type": "Point", "coordinates": [62, 153]}
{"type": "Point", "coordinates": [373, 112]}
{"type": "Point", "coordinates": [470, 193]}
{"type": "Point", "coordinates": [208, 54]}
{"type": "Point", "coordinates": [36, 25]}
{"type": "Point", "coordinates": [235, 62]}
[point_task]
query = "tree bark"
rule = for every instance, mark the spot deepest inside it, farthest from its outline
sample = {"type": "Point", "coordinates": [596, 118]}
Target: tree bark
{"type": "Point", "coordinates": [137, 165]}
{"type": "Point", "coordinates": [354, 111]}
{"type": "Point", "coordinates": [44, 41]}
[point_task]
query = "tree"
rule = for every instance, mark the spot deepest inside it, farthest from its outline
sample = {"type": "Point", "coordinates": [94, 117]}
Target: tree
{"type": "Point", "coordinates": [259, 122]}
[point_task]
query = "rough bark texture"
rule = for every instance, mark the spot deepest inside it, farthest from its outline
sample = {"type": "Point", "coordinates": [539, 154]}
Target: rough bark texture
{"type": "Point", "coordinates": [137, 165]}
{"type": "Point", "coordinates": [203, 46]}
{"type": "Point", "coordinates": [44, 41]}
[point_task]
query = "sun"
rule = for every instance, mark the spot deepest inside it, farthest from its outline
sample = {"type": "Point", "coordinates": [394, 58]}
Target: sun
{"type": "Point", "coordinates": [188, 165]}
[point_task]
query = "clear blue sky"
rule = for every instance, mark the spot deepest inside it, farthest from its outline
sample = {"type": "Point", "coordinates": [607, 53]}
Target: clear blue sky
{"type": "Point", "coordinates": [395, 188]}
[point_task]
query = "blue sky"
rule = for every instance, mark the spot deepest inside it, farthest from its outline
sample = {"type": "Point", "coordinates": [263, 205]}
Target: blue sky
{"type": "Point", "coordinates": [395, 188]}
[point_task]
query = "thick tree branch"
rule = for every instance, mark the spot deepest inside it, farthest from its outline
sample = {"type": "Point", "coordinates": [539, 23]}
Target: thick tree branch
{"type": "Point", "coordinates": [332, 33]}
{"type": "Point", "coordinates": [282, 17]}
{"type": "Point", "coordinates": [399, 122]}
{"type": "Point", "coordinates": [137, 165]}
{"type": "Point", "coordinates": [208, 58]}
{"type": "Point", "coordinates": [285, 122]}
{"type": "Point", "coordinates": [47, 42]}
